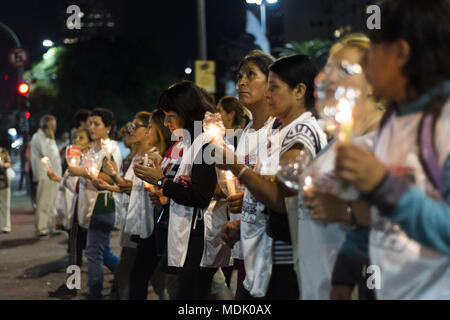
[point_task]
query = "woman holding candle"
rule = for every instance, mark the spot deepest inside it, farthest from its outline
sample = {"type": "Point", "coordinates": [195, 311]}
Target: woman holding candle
{"type": "Point", "coordinates": [96, 207]}
{"type": "Point", "coordinates": [325, 198]}
{"type": "Point", "coordinates": [251, 85]}
{"type": "Point", "coordinates": [268, 261]}
{"type": "Point", "coordinates": [406, 177]}
{"type": "Point", "coordinates": [147, 261]}
{"type": "Point", "coordinates": [183, 105]}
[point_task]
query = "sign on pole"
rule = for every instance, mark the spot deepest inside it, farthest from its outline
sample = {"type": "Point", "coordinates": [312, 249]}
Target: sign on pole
{"type": "Point", "coordinates": [205, 75]}
{"type": "Point", "coordinates": [18, 57]}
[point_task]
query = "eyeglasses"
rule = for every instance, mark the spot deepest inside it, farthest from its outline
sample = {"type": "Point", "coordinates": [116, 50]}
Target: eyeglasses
{"type": "Point", "coordinates": [135, 126]}
{"type": "Point", "coordinates": [344, 68]}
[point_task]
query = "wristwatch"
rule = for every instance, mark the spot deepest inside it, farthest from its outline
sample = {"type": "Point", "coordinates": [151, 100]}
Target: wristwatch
{"type": "Point", "coordinates": [161, 181]}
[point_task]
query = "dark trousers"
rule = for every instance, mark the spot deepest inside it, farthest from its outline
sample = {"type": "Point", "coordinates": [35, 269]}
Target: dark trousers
{"type": "Point", "coordinates": [282, 286]}
{"type": "Point", "coordinates": [145, 263]}
{"type": "Point", "coordinates": [193, 281]}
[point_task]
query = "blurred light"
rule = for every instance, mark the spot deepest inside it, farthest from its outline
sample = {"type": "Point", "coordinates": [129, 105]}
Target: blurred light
{"type": "Point", "coordinates": [250, 1]}
{"type": "Point", "coordinates": [50, 53]}
{"type": "Point", "coordinates": [12, 132]}
{"type": "Point", "coordinates": [272, 1]}
{"type": "Point", "coordinates": [47, 43]}
{"type": "Point", "coordinates": [23, 88]}
{"type": "Point", "coordinates": [337, 33]}
{"type": "Point", "coordinates": [16, 144]}
{"type": "Point", "coordinates": [188, 70]}
{"type": "Point", "coordinates": [27, 115]}
{"type": "Point", "coordinates": [6, 77]}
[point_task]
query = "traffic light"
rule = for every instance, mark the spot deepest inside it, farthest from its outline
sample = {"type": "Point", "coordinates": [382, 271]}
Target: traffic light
{"type": "Point", "coordinates": [23, 89]}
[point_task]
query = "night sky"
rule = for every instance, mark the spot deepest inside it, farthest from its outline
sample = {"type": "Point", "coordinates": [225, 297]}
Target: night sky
{"type": "Point", "coordinates": [173, 24]}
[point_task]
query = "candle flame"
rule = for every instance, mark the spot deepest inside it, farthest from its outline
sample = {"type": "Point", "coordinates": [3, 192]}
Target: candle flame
{"type": "Point", "coordinates": [344, 109]}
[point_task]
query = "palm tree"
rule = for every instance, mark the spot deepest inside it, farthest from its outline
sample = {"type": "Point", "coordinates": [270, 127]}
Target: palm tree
{"type": "Point", "coordinates": [316, 49]}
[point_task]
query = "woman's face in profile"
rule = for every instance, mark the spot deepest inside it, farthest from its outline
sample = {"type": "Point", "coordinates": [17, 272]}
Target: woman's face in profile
{"type": "Point", "coordinates": [251, 85]}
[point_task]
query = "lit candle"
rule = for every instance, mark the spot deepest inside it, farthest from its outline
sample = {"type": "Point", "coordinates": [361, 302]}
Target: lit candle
{"type": "Point", "coordinates": [107, 145]}
{"type": "Point", "coordinates": [93, 172]}
{"type": "Point", "coordinates": [45, 161]}
{"type": "Point", "coordinates": [149, 186]}
{"type": "Point", "coordinates": [344, 117]}
{"type": "Point", "coordinates": [230, 182]}
{"type": "Point", "coordinates": [213, 132]}
{"type": "Point", "coordinates": [308, 183]}
{"type": "Point", "coordinates": [146, 160]}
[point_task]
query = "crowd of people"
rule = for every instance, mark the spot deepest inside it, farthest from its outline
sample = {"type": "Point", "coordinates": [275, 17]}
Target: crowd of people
{"type": "Point", "coordinates": [377, 198]}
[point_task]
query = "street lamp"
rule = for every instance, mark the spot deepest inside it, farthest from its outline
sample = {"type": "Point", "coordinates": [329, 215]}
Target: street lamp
{"type": "Point", "coordinates": [47, 43]}
{"type": "Point", "coordinates": [262, 7]}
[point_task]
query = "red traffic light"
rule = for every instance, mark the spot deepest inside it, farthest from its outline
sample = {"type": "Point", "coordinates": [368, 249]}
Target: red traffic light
{"type": "Point", "coordinates": [23, 88]}
{"type": "Point", "coordinates": [27, 115]}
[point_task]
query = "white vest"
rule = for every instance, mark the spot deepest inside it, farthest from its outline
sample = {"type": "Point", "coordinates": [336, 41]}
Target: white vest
{"type": "Point", "coordinates": [247, 151]}
{"type": "Point", "coordinates": [139, 219]}
{"type": "Point", "coordinates": [317, 243]}
{"type": "Point", "coordinates": [256, 243]}
{"type": "Point", "coordinates": [408, 269]}
{"type": "Point", "coordinates": [88, 193]}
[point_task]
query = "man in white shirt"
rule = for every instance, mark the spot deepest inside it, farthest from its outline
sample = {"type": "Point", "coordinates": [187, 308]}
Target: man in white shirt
{"type": "Point", "coordinates": [43, 144]}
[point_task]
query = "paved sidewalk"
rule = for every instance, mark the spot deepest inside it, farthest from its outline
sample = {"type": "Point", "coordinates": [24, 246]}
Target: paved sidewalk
{"type": "Point", "coordinates": [30, 268]}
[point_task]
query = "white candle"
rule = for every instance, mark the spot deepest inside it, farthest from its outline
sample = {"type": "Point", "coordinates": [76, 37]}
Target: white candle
{"type": "Point", "coordinates": [108, 147]}
{"type": "Point", "coordinates": [146, 160]}
{"type": "Point", "coordinates": [230, 182]}
{"type": "Point", "coordinates": [93, 172]}
{"type": "Point", "coordinates": [45, 161]}
{"type": "Point", "coordinates": [308, 183]}
{"type": "Point", "coordinates": [345, 118]}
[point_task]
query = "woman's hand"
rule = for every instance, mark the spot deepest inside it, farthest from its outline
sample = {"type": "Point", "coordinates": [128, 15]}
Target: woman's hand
{"type": "Point", "coordinates": [156, 158]}
{"type": "Point", "coordinates": [101, 184]}
{"type": "Point", "coordinates": [231, 233]}
{"type": "Point", "coordinates": [325, 207]}
{"type": "Point", "coordinates": [235, 202]}
{"type": "Point", "coordinates": [77, 172]}
{"type": "Point", "coordinates": [359, 167]}
{"type": "Point", "coordinates": [126, 186]}
{"type": "Point", "coordinates": [151, 175]}
{"type": "Point", "coordinates": [110, 167]}
{"type": "Point", "coordinates": [158, 198]}
{"type": "Point", "coordinates": [53, 176]}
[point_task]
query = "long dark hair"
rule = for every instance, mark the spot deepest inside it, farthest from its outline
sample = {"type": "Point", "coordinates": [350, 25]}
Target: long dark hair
{"type": "Point", "coordinates": [230, 104]}
{"type": "Point", "coordinates": [185, 99]}
{"type": "Point", "coordinates": [164, 135]}
{"type": "Point", "coordinates": [297, 69]}
{"type": "Point", "coordinates": [423, 25]}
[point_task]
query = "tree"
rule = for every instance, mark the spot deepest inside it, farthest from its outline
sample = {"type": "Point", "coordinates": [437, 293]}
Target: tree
{"type": "Point", "coordinates": [316, 49]}
{"type": "Point", "coordinates": [122, 75]}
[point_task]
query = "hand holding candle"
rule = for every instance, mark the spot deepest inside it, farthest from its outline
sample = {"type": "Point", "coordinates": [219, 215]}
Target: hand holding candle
{"type": "Point", "coordinates": [107, 145]}
{"type": "Point", "coordinates": [45, 161]}
{"type": "Point", "coordinates": [213, 127]}
{"type": "Point", "coordinates": [230, 179]}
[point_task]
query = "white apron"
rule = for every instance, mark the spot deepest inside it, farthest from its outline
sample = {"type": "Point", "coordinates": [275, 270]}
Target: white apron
{"type": "Point", "coordinates": [88, 193]}
{"type": "Point", "coordinates": [181, 216]}
{"type": "Point", "coordinates": [215, 255]}
{"type": "Point", "coordinates": [139, 219]}
{"type": "Point", "coordinates": [247, 152]}
{"type": "Point", "coordinates": [65, 201]}
{"type": "Point", "coordinates": [408, 269]}
{"type": "Point", "coordinates": [256, 243]}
